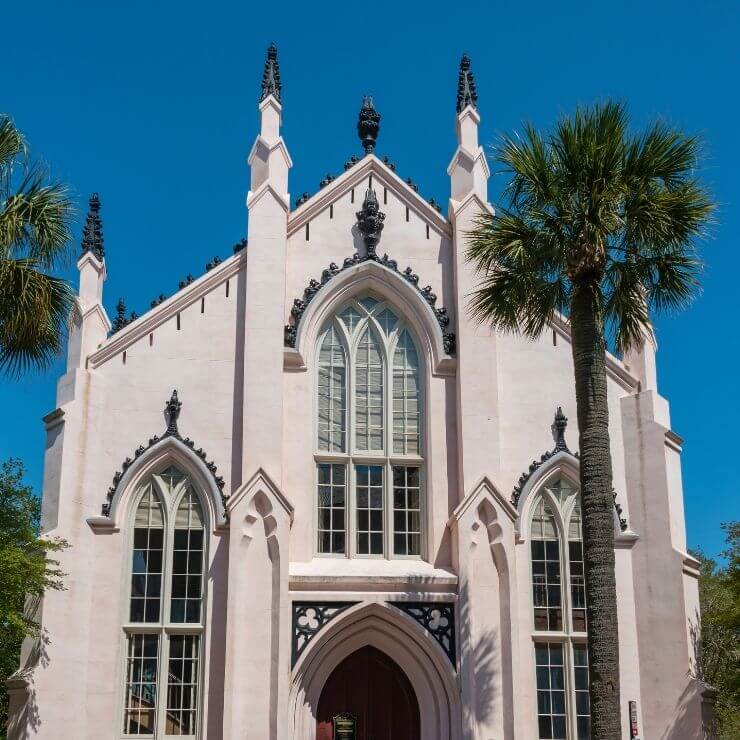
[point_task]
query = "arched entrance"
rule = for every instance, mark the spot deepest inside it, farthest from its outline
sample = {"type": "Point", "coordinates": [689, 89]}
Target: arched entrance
{"type": "Point", "coordinates": [370, 691]}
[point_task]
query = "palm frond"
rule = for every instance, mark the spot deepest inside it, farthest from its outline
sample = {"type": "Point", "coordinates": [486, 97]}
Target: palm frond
{"type": "Point", "coordinates": [36, 220]}
{"type": "Point", "coordinates": [34, 313]}
{"type": "Point", "coordinates": [12, 145]}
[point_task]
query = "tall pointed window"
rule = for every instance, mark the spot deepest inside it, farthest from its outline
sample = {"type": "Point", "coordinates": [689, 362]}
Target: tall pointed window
{"type": "Point", "coordinates": [369, 435]}
{"type": "Point", "coordinates": [166, 610]}
{"type": "Point", "coordinates": [559, 612]}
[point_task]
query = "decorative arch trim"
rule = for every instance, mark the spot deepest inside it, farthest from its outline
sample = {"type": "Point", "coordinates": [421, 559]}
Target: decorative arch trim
{"type": "Point", "coordinates": [180, 449]}
{"type": "Point", "coordinates": [559, 458]}
{"type": "Point", "coordinates": [381, 274]}
{"type": "Point", "coordinates": [397, 635]}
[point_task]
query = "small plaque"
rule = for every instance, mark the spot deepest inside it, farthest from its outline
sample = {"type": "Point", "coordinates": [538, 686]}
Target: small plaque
{"type": "Point", "coordinates": [344, 727]}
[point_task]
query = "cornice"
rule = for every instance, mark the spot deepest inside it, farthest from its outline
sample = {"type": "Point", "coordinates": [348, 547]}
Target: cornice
{"type": "Point", "coordinates": [278, 145]}
{"type": "Point", "coordinates": [94, 309]}
{"type": "Point", "coordinates": [255, 196]}
{"type": "Point", "coordinates": [158, 315]}
{"type": "Point", "coordinates": [673, 441]}
{"type": "Point", "coordinates": [351, 178]}
{"type": "Point", "coordinates": [260, 481]}
{"type": "Point", "coordinates": [456, 207]}
{"type": "Point", "coordinates": [463, 152]}
{"type": "Point", "coordinates": [484, 485]}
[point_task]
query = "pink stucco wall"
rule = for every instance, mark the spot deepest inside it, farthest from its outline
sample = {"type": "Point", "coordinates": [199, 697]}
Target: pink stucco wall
{"type": "Point", "coordinates": [249, 403]}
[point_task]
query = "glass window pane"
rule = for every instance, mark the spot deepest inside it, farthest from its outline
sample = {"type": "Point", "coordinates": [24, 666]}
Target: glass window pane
{"type": "Point", "coordinates": [577, 571]}
{"type": "Point", "coordinates": [546, 577]}
{"type": "Point", "coordinates": [406, 401]}
{"type": "Point", "coordinates": [406, 510]}
{"type": "Point", "coordinates": [140, 691]}
{"type": "Point", "coordinates": [187, 561]}
{"type": "Point", "coordinates": [369, 509]}
{"type": "Point", "coordinates": [332, 393]}
{"type": "Point", "coordinates": [369, 394]}
{"type": "Point", "coordinates": [551, 711]}
{"type": "Point", "coordinates": [146, 562]}
{"type": "Point", "coordinates": [580, 682]}
{"type": "Point", "coordinates": [182, 685]}
{"type": "Point", "coordinates": [331, 508]}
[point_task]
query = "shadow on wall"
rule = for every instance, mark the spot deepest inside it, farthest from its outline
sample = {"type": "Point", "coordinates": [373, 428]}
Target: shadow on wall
{"type": "Point", "coordinates": [698, 684]}
{"type": "Point", "coordinates": [218, 580]}
{"type": "Point", "coordinates": [23, 709]}
{"type": "Point", "coordinates": [485, 656]}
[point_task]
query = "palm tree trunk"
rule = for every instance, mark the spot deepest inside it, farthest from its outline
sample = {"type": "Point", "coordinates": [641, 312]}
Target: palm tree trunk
{"type": "Point", "coordinates": [589, 358]}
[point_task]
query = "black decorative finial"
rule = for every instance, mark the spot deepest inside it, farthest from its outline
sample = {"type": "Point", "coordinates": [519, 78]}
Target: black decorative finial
{"type": "Point", "coordinates": [271, 84]}
{"type": "Point", "coordinates": [370, 222]}
{"type": "Point", "coordinates": [172, 409]}
{"type": "Point", "coordinates": [120, 320]}
{"type": "Point", "coordinates": [92, 231]}
{"type": "Point", "coordinates": [466, 92]}
{"type": "Point", "coordinates": [558, 429]}
{"type": "Point", "coordinates": [368, 124]}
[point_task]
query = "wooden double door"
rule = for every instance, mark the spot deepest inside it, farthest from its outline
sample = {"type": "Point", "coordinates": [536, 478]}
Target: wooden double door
{"type": "Point", "coordinates": [368, 697]}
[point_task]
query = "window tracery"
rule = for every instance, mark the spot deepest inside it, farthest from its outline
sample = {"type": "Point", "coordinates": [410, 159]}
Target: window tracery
{"type": "Point", "coordinates": [559, 612]}
{"type": "Point", "coordinates": [163, 634]}
{"type": "Point", "coordinates": [369, 439]}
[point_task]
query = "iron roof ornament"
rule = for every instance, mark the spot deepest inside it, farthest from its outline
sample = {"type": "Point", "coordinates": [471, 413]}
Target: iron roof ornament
{"type": "Point", "coordinates": [370, 222]}
{"type": "Point", "coordinates": [92, 231]}
{"type": "Point", "coordinates": [559, 426]}
{"type": "Point", "coordinates": [172, 411]}
{"type": "Point", "coordinates": [466, 91]}
{"type": "Point", "coordinates": [368, 124]}
{"type": "Point", "coordinates": [271, 84]}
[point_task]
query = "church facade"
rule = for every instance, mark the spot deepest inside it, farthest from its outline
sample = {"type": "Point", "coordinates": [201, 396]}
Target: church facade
{"type": "Point", "coordinates": [309, 498]}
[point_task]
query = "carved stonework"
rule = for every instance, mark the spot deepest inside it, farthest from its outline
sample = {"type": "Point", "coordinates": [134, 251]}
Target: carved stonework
{"type": "Point", "coordinates": [368, 124]}
{"type": "Point", "coordinates": [370, 221]}
{"type": "Point", "coordinates": [309, 617]}
{"type": "Point", "coordinates": [466, 92]}
{"type": "Point", "coordinates": [92, 231]}
{"type": "Point", "coordinates": [314, 286]}
{"type": "Point", "coordinates": [172, 411]}
{"type": "Point", "coordinates": [437, 618]}
{"type": "Point", "coordinates": [271, 84]}
{"type": "Point", "coordinates": [559, 425]}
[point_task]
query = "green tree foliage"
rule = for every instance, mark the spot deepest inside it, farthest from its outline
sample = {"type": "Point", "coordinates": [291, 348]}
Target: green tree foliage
{"type": "Point", "coordinates": [719, 648]}
{"type": "Point", "coordinates": [598, 224]}
{"type": "Point", "coordinates": [27, 570]}
{"type": "Point", "coordinates": [35, 220]}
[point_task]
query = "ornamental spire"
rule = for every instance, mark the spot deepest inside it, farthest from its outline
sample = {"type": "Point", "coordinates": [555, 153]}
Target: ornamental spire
{"type": "Point", "coordinates": [271, 84]}
{"type": "Point", "coordinates": [466, 92]}
{"type": "Point", "coordinates": [92, 231]}
{"type": "Point", "coordinates": [368, 124]}
{"type": "Point", "coordinates": [370, 222]}
{"type": "Point", "coordinates": [558, 429]}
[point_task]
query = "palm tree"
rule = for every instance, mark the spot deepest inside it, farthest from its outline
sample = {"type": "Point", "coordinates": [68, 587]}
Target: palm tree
{"type": "Point", "coordinates": [598, 224]}
{"type": "Point", "coordinates": [35, 219]}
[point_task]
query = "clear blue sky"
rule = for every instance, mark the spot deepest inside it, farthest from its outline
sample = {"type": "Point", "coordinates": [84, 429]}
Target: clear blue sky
{"type": "Point", "coordinates": [153, 104]}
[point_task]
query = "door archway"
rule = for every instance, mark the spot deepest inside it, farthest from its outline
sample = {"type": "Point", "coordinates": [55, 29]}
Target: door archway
{"type": "Point", "coordinates": [371, 691]}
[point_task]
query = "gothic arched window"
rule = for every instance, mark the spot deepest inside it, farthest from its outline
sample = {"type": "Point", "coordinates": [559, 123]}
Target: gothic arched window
{"type": "Point", "coordinates": [369, 440]}
{"type": "Point", "coordinates": [166, 609]}
{"type": "Point", "coordinates": [559, 612]}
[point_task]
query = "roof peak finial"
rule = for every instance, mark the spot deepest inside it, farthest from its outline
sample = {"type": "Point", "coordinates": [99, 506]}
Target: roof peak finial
{"type": "Point", "coordinates": [466, 90]}
{"type": "Point", "coordinates": [92, 231]}
{"type": "Point", "coordinates": [368, 124]}
{"type": "Point", "coordinates": [271, 84]}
